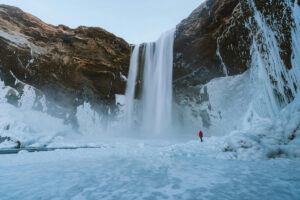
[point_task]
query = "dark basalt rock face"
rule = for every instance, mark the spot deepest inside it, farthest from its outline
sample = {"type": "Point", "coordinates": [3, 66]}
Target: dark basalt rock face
{"type": "Point", "coordinates": [214, 35]}
{"type": "Point", "coordinates": [278, 16]}
{"type": "Point", "coordinates": [219, 34]}
{"type": "Point", "coordinates": [68, 65]}
{"type": "Point", "coordinates": [217, 40]}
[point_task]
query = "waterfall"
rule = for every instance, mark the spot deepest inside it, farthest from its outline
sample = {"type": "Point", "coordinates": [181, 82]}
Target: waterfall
{"type": "Point", "coordinates": [131, 84]}
{"type": "Point", "coordinates": [157, 85]}
{"type": "Point", "coordinates": [155, 110]}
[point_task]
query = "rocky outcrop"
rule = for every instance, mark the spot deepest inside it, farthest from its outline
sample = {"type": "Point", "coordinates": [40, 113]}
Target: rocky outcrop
{"type": "Point", "coordinates": [227, 37]}
{"type": "Point", "coordinates": [68, 65]}
{"type": "Point", "coordinates": [11, 143]}
{"type": "Point", "coordinates": [201, 49]}
{"type": "Point", "coordinates": [216, 39]}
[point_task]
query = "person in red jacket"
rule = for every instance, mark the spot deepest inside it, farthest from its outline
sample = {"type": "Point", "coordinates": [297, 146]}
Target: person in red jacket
{"type": "Point", "coordinates": [201, 135]}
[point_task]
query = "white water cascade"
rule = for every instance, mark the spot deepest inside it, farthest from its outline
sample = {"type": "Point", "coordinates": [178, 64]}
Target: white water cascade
{"type": "Point", "coordinates": [155, 110]}
{"type": "Point", "coordinates": [131, 84]}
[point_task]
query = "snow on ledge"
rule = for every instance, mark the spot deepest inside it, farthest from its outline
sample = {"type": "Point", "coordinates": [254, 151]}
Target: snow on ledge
{"type": "Point", "coordinates": [19, 40]}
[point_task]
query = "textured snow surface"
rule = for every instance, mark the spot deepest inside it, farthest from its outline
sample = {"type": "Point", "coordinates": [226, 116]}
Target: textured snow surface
{"type": "Point", "coordinates": [154, 170]}
{"type": "Point", "coordinates": [30, 127]}
{"type": "Point", "coordinates": [279, 137]}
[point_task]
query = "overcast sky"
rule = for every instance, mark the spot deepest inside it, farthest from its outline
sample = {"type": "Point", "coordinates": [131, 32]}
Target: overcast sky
{"type": "Point", "coordinates": [134, 20]}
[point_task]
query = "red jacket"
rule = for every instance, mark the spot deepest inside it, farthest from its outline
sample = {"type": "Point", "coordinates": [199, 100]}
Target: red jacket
{"type": "Point", "coordinates": [200, 134]}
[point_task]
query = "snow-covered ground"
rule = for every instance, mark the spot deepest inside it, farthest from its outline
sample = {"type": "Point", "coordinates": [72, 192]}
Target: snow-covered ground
{"type": "Point", "coordinates": [132, 169]}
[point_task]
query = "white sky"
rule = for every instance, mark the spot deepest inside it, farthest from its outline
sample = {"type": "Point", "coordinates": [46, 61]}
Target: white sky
{"type": "Point", "coordinates": [134, 20]}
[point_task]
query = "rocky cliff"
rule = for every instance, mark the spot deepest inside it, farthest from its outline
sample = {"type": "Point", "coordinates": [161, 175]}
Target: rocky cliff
{"type": "Point", "coordinates": [68, 65]}
{"type": "Point", "coordinates": [217, 38]}
{"type": "Point", "coordinates": [200, 43]}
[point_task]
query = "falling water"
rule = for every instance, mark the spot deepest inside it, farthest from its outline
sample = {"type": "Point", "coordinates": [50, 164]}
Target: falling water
{"type": "Point", "coordinates": [155, 110]}
{"type": "Point", "coordinates": [157, 85]}
{"type": "Point", "coordinates": [131, 84]}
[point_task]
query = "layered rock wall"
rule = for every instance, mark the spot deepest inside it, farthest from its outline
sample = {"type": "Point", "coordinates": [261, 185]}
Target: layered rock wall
{"type": "Point", "coordinates": [68, 65]}
{"type": "Point", "coordinates": [216, 39]}
{"type": "Point", "coordinates": [220, 39]}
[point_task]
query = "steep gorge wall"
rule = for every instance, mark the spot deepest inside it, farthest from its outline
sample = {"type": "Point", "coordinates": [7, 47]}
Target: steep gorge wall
{"type": "Point", "coordinates": [215, 40]}
{"type": "Point", "coordinates": [226, 38]}
{"type": "Point", "coordinates": [69, 66]}
{"type": "Point", "coordinates": [211, 28]}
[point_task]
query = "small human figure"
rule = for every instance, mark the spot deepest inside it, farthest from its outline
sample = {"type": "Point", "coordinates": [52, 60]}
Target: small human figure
{"type": "Point", "coordinates": [201, 135]}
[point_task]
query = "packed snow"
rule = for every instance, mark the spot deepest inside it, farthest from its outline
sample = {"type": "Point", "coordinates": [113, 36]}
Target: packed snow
{"type": "Point", "coordinates": [133, 169]}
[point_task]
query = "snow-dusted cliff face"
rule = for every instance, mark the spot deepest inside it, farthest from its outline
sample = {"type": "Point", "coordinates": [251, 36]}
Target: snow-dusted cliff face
{"type": "Point", "coordinates": [49, 73]}
{"type": "Point", "coordinates": [215, 40]}
{"type": "Point", "coordinates": [69, 66]}
{"type": "Point", "coordinates": [266, 48]}
{"type": "Point", "coordinates": [261, 105]}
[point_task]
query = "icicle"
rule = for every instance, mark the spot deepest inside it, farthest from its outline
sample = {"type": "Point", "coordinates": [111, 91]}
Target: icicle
{"type": "Point", "coordinates": [225, 71]}
{"type": "Point", "coordinates": [278, 82]}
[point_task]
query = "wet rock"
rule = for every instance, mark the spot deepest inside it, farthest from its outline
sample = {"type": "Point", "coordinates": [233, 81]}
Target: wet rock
{"type": "Point", "coordinates": [12, 97]}
{"type": "Point", "coordinates": [212, 28]}
{"type": "Point", "coordinates": [5, 139]}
